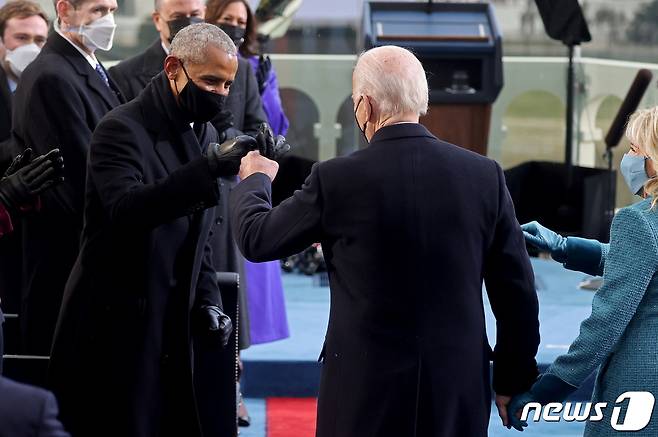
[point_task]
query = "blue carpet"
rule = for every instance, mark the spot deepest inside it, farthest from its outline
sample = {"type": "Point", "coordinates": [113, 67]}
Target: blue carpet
{"type": "Point", "coordinates": [563, 429]}
{"type": "Point", "coordinates": [289, 367]}
{"type": "Point", "coordinates": [562, 307]}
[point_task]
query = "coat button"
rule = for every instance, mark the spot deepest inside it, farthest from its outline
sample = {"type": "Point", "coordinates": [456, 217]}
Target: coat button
{"type": "Point", "coordinates": [220, 220]}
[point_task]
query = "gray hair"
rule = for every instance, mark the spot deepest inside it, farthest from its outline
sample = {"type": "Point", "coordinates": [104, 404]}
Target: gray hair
{"type": "Point", "coordinates": [75, 3]}
{"type": "Point", "coordinates": [192, 42]}
{"type": "Point", "coordinates": [394, 78]}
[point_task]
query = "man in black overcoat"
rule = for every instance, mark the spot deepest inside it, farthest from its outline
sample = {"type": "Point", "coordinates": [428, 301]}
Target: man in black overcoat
{"type": "Point", "coordinates": [24, 30]}
{"type": "Point", "coordinates": [143, 293]}
{"type": "Point", "coordinates": [242, 114]}
{"type": "Point", "coordinates": [410, 227]}
{"type": "Point", "coordinates": [61, 98]}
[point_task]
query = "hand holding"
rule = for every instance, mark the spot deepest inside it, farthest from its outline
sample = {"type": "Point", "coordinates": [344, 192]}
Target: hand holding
{"type": "Point", "coordinates": [548, 388]}
{"type": "Point", "coordinates": [501, 405]}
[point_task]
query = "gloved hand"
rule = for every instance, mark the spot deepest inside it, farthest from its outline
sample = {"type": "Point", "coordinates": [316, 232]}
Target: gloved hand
{"type": "Point", "coordinates": [545, 239]}
{"type": "Point", "coordinates": [223, 122]}
{"type": "Point", "coordinates": [263, 72]}
{"type": "Point", "coordinates": [548, 388]}
{"type": "Point", "coordinates": [270, 146]}
{"type": "Point", "coordinates": [217, 324]}
{"type": "Point", "coordinates": [224, 159]}
{"type": "Point", "coordinates": [26, 179]}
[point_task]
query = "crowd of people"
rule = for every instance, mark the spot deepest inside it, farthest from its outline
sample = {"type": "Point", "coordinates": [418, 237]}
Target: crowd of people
{"type": "Point", "coordinates": [56, 92]}
{"type": "Point", "coordinates": [132, 187]}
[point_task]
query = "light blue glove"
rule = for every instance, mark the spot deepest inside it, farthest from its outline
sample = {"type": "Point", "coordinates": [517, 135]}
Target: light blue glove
{"type": "Point", "coordinates": [548, 388]}
{"type": "Point", "coordinates": [545, 239]}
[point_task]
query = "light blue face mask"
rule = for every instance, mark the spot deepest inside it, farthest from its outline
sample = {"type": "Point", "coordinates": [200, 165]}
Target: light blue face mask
{"type": "Point", "coordinates": [635, 175]}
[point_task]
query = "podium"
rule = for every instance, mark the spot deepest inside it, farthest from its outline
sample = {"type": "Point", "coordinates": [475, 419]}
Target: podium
{"type": "Point", "coordinates": [460, 47]}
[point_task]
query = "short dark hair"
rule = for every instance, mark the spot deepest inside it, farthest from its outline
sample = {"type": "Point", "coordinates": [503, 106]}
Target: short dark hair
{"type": "Point", "coordinates": [215, 9]}
{"type": "Point", "coordinates": [75, 3]}
{"type": "Point", "coordinates": [19, 9]}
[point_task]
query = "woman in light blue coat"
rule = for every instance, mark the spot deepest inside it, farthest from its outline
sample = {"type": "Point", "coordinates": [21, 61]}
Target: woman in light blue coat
{"type": "Point", "coordinates": [582, 254]}
{"type": "Point", "coordinates": [620, 337]}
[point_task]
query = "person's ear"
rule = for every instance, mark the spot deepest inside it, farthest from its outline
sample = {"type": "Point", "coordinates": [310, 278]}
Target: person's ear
{"type": "Point", "coordinates": [368, 109]}
{"type": "Point", "coordinates": [172, 66]}
{"type": "Point", "coordinates": [155, 16]}
{"type": "Point", "coordinates": [63, 10]}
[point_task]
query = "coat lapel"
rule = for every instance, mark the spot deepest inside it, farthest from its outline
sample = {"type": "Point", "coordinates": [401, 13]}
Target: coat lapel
{"type": "Point", "coordinates": [5, 92]}
{"type": "Point", "coordinates": [153, 61]}
{"type": "Point", "coordinates": [95, 82]}
{"type": "Point", "coordinates": [176, 143]}
{"type": "Point", "coordinates": [59, 44]}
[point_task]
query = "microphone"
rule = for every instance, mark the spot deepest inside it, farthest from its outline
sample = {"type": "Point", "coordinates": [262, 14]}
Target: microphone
{"type": "Point", "coordinates": [629, 105]}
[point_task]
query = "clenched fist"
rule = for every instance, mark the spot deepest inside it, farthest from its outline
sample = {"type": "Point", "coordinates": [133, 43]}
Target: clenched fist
{"type": "Point", "coordinates": [253, 162]}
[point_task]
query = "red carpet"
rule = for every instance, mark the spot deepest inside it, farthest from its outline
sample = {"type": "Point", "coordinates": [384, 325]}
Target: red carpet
{"type": "Point", "coordinates": [291, 417]}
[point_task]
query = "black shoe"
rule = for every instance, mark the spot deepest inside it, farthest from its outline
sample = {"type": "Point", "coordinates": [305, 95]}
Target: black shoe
{"type": "Point", "coordinates": [243, 416]}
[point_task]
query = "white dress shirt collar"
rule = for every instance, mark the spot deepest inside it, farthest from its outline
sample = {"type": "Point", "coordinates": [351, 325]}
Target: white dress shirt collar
{"type": "Point", "coordinates": [90, 58]}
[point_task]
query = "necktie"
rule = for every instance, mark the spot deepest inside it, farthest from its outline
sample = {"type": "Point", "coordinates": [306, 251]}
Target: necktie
{"type": "Point", "coordinates": [101, 72]}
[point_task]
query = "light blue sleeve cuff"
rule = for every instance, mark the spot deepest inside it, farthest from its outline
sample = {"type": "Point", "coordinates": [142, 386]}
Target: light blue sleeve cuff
{"type": "Point", "coordinates": [584, 255]}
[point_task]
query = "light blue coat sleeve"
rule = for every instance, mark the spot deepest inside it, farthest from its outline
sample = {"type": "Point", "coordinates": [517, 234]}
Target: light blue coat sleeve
{"type": "Point", "coordinates": [629, 267]}
{"type": "Point", "coordinates": [587, 256]}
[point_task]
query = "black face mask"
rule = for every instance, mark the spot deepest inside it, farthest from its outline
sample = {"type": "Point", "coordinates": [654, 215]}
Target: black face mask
{"type": "Point", "coordinates": [179, 24]}
{"type": "Point", "coordinates": [199, 105]}
{"type": "Point", "coordinates": [236, 33]}
{"type": "Point", "coordinates": [365, 125]}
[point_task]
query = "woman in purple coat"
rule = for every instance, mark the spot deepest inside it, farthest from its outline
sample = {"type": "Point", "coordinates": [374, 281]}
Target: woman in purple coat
{"type": "Point", "coordinates": [265, 301]}
{"type": "Point", "coordinates": [267, 315]}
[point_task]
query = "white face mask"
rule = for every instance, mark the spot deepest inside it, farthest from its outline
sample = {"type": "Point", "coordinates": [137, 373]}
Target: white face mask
{"type": "Point", "coordinates": [19, 58]}
{"type": "Point", "coordinates": [98, 34]}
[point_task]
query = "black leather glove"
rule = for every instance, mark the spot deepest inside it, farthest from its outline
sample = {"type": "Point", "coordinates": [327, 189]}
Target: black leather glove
{"type": "Point", "coordinates": [215, 323]}
{"type": "Point", "coordinates": [270, 146]}
{"type": "Point", "coordinates": [25, 179]}
{"type": "Point", "coordinates": [223, 122]}
{"type": "Point", "coordinates": [263, 72]}
{"type": "Point", "coordinates": [224, 159]}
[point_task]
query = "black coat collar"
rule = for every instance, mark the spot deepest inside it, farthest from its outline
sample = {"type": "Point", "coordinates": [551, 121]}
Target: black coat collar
{"type": "Point", "coordinates": [58, 44]}
{"type": "Point", "coordinates": [402, 130]}
{"type": "Point", "coordinates": [154, 58]}
{"type": "Point", "coordinates": [176, 142]}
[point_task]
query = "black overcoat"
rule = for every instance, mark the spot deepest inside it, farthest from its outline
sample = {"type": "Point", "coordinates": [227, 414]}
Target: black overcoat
{"type": "Point", "coordinates": [58, 103]}
{"type": "Point", "coordinates": [410, 227]}
{"type": "Point", "coordinates": [123, 351]}
{"type": "Point", "coordinates": [245, 104]}
{"type": "Point", "coordinates": [10, 245]}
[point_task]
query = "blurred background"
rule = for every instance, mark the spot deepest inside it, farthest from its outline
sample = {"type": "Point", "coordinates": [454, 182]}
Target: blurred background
{"type": "Point", "coordinates": [315, 58]}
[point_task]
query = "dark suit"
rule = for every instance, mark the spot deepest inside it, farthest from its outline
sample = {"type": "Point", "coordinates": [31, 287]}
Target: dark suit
{"type": "Point", "coordinates": [5, 106]}
{"type": "Point", "coordinates": [132, 74]}
{"type": "Point", "coordinates": [58, 103]}
{"type": "Point", "coordinates": [10, 245]}
{"type": "Point", "coordinates": [27, 411]}
{"type": "Point", "coordinates": [409, 228]}
{"type": "Point", "coordinates": [122, 354]}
